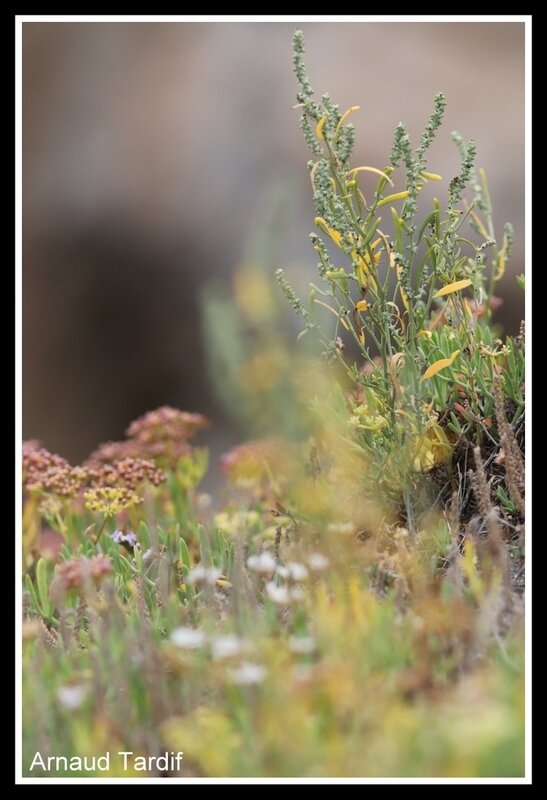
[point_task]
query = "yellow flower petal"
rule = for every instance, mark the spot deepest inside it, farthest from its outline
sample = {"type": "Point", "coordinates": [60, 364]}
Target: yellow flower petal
{"type": "Point", "coordinates": [361, 305]}
{"type": "Point", "coordinates": [439, 365]}
{"type": "Point", "coordinates": [319, 128]}
{"type": "Point", "coordinates": [425, 334]}
{"type": "Point", "coordinates": [453, 287]}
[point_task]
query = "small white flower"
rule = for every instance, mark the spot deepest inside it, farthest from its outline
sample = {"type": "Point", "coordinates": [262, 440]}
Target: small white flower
{"type": "Point", "coordinates": [263, 563]}
{"type": "Point", "coordinates": [283, 572]}
{"type": "Point", "coordinates": [318, 562]}
{"type": "Point", "coordinates": [248, 674]}
{"type": "Point", "coordinates": [148, 554]}
{"type": "Point", "coordinates": [278, 594]}
{"type": "Point", "coordinates": [298, 572]}
{"type": "Point", "coordinates": [302, 644]}
{"type": "Point", "coordinates": [202, 574]}
{"type": "Point", "coordinates": [297, 593]}
{"type": "Point", "coordinates": [71, 697]}
{"type": "Point", "coordinates": [188, 638]}
{"type": "Point", "coordinates": [204, 501]}
{"type": "Point", "coordinates": [226, 647]}
{"type": "Point", "coordinates": [197, 574]}
{"type": "Point", "coordinates": [344, 528]}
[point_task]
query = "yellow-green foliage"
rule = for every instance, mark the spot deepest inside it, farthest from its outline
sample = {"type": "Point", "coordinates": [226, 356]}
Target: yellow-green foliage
{"type": "Point", "coordinates": [351, 604]}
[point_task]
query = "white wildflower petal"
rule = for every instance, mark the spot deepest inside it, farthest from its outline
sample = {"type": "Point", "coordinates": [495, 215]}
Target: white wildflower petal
{"type": "Point", "coordinates": [317, 562]}
{"type": "Point", "coordinates": [262, 563]}
{"type": "Point", "coordinates": [197, 574]}
{"type": "Point", "coordinates": [213, 574]}
{"type": "Point", "coordinates": [278, 594]}
{"type": "Point", "coordinates": [297, 593]}
{"type": "Point", "coordinates": [248, 674]}
{"type": "Point", "coordinates": [71, 697]}
{"type": "Point", "coordinates": [202, 574]}
{"type": "Point", "coordinates": [341, 527]}
{"type": "Point", "coordinates": [298, 572]}
{"type": "Point", "coordinates": [187, 638]}
{"type": "Point", "coordinates": [227, 647]}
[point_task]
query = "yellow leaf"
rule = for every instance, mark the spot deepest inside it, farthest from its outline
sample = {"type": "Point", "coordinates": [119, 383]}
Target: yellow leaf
{"type": "Point", "coordinates": [335, 235]}
{"type": "Point", "coordinates": [431, 176]}
{"type": "Point", "coordinates": [502, 260]}
{"type": "Point", "coordinates": [500, 272]}
{"type": "Point", "coordinates": [319, 128]}
{"type": "Point", "coordinates": [404, 296]}
{"type": "Point", "coordinates": [453, 287]}
{"type": "Point", "coordinates": [391, 197]}
{"type": "Point", "coordinates": [478, 222]}
{"type": "Point", "coordinates": [432, 448]}
{"type": "Point", "coordinates": [363, 272]}
{"type": "Point", "coordinates": [439, 365]}
{"type": "Point", "coordinates": [372, 169]}
{"type": "Point", "coordinates": [343, 118]}
{"type": "Point", "coordinates": [424, 334]}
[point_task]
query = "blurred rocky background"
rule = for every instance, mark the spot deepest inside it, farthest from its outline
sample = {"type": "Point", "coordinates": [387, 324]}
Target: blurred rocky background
{"type": "Point", "coordinates": [148, 151]}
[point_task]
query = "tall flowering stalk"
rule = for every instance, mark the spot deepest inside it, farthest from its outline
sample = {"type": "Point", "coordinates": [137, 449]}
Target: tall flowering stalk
{"type": "Point", "coordinates": [416, 294]}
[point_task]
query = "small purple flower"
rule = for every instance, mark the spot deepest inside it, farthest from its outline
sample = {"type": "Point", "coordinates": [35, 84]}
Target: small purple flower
{"type": "Point", "coordinates": [120, 537]}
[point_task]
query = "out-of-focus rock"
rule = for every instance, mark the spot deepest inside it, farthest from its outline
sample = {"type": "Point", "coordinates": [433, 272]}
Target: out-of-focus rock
{"type": "Point", "coordinates": [147, 148]}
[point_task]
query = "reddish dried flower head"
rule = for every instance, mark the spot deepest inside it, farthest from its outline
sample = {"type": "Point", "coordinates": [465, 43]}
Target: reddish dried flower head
{"type": "Point", "coordinates": [109, 452]}
{"type": "Point", "coordinates": [32, 444]}
{"type": "Point", "coordinates": [133, 471]}
{"type": "Point", "coordinates": [46, 472]}
{"type": "Point", "coordinates": [128, 472]}
{"type": "Point", "coordinates": [79, 573]}
{"type": "Point", "coordinates": [164, 434]}
{"type": "Point", "coordinates": [166, 424]}
{"type": "Point", "coordinates": [37, 461]}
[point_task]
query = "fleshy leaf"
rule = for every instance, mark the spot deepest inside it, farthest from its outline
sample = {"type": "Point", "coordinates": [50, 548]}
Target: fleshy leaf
{"type": "Point", "coordinates": [453, 287]}
{"type": "Point", "coordinates": [439, 365]}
